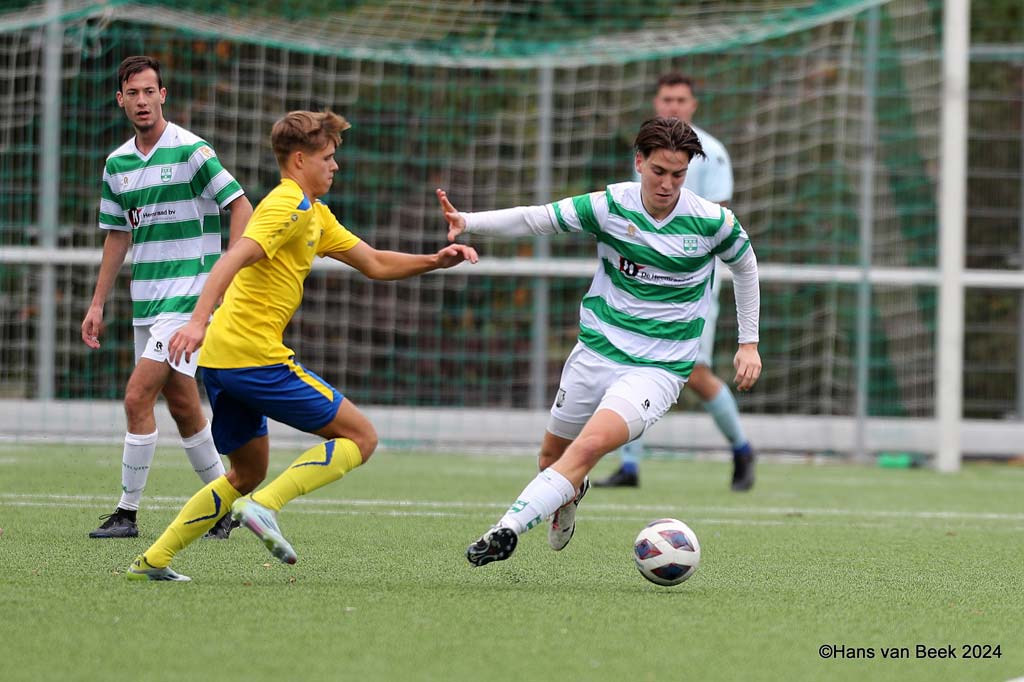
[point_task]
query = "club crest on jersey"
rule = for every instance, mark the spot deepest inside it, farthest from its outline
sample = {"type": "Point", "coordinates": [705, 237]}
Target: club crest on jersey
{"type": "Point", "coordinates": [165, 174]}
{"type": "Point", "coordinates": [689, 245]}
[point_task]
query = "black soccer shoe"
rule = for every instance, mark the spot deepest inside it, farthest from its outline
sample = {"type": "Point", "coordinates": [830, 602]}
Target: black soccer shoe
{"type": "Point", "coordinates": [743, 471]}
{"type": "Point", "coordinates": [116, 525]}
{"type": "Point", "coordinates": [222, 529]}
{"type": "Point", "coordinates": [620, 479]}
{"type": "Point", "coordinates": [497, 544]}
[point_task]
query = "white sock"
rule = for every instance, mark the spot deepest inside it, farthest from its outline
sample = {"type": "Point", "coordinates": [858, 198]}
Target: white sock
{"type": "Point", "coordinates": [135, 461]}
{"type": "Point", "coordinates": [539, 500]}
{"type": "Point", "coordinates": [203, 454]}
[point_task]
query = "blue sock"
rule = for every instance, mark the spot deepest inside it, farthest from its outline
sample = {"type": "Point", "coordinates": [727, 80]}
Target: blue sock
{"type": "Point", "coordinates": [632, 453]}
{"type": "Point", "coordinates": [726, 413]}
{"type": "Point", "coordinates": [742, 451]}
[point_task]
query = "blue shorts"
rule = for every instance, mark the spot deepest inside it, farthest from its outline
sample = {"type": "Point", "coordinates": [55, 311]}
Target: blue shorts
{"type": "Point", "coordinates": [242, 399]}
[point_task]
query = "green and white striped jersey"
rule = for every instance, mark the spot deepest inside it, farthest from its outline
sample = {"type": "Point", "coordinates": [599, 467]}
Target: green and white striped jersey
{"type": "Point", "coordinates": [647, 302]}
{"type": "Point", "coordinates": [170, 200]}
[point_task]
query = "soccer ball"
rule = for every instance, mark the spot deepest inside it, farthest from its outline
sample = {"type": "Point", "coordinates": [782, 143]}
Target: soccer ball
{"type": "Point", "coordinates": [666, 552]}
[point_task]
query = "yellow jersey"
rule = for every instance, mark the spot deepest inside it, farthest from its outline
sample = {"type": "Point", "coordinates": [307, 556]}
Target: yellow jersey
{"type": "Point", "coordinates": [248, 328]}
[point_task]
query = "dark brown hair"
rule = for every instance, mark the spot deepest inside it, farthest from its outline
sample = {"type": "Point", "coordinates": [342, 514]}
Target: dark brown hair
{"type": "Point", "coordinates": [137, 64]}
{"type": "Point", "coordinates": [308, 131]}
{"type": "Point", "coordinates": [675, 78]}
{"type": "Point", "coordinates": [670, 134]}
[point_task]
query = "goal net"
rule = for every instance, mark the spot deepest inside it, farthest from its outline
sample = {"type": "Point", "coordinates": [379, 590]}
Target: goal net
{"type": "Point", "coordinates": [502, 103]}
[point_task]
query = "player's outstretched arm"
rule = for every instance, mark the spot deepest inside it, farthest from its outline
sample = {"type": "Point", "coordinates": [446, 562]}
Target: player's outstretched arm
{"type": "Point", "coordinates": [519, 221]}
{"type": "Point", "coordinates": [389, 265]}
{"type": "Point", "coordinates": [189, 338]}
{"type": "Point", "coordinates": [115, 248]}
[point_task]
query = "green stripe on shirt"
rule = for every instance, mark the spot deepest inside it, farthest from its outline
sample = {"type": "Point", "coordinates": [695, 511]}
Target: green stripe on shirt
{"type": "Point", "coordinates": [596, 342]}
{"type": "Point", "coordinates": [653, 292]}
{"type": "Point", "coordinates": [585, 213]}
{"type": "Point", "coordinates": [176, 304]}
{"type": "Point", "coordinates": [645, 255]}
{"type": "Point", "coordinates": [163, 156]}
{"type": "Point", "coordinates": [705, 227]}
{"type": "Point", "coordinates": [173, 269]}
{"type": "Point", "coordinates": [655, 329]}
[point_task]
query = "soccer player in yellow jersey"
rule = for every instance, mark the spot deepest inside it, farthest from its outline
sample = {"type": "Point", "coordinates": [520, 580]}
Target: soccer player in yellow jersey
{"type": "Point", "coordinates": [248, 371]}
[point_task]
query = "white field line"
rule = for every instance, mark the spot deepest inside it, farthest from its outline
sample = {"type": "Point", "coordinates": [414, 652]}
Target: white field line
{"type": "Point", "coordinates": [441, 508]}
{"type": "Point", "coordinates": [506, 466]}
{"type": "Point", "coordinates": [695, 520]}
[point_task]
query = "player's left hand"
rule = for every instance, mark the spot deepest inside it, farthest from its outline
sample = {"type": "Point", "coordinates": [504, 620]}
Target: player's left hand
{"type": "Point", "coordinates": [748, 366]}
{"type": "Point", "coordinates": [456, 222]}
{"type": "Point", "coordinates": [453, 254]}
{"type": "Point", "coordinates": [186, 341]}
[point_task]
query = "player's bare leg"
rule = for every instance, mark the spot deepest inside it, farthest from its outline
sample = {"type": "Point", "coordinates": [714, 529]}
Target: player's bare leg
{"type": "Point", "coordinates": [182, 395]}
{"type": "Point", "coordinates": [556, 491]}
{"type": "Point", "coordinates": [144, 386]}
{"type": "Point", "coordinates": [351, 440]}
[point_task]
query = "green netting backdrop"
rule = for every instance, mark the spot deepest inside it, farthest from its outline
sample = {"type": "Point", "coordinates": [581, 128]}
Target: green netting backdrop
{"type": "Point", "coordinates": [449, 94]}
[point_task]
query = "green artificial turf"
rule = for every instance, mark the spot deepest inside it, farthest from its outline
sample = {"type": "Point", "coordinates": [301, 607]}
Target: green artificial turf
{"type": "Point", "coordinates": [856, 557]}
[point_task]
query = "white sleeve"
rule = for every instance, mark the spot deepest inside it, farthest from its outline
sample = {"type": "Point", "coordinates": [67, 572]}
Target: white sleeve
{"type": "Point", "coordinates": [511, 222]}
{"type": "Point", "coordinates": [748, 295]}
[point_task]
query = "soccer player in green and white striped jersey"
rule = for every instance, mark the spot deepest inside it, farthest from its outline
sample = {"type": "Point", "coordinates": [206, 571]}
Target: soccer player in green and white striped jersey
{"type": "Point", "coordinates": [640, 322]}
{"type": "Point", "coordinates": [162, 194]}
{"type": "Point", "coordinates": [710, 178]}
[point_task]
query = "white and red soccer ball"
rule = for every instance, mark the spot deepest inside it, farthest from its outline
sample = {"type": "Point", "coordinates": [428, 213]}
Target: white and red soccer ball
{"type": "Point", "coordinates": [666, 552]}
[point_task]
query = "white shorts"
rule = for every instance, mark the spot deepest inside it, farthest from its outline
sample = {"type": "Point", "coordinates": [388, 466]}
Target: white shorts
{"type": "Point", "coordinates": [151, 343]}
{"type": "Point", "coordinates": [706, 354]}
{"type": "Point", "coordinates": [590, 381]}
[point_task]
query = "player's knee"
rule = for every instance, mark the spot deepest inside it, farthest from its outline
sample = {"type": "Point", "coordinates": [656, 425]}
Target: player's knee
{"type": "Point", "coordinates": [590, 448]}
{"type": "Point", "coordinates": [137, 404]}
{"type": "Point", "coordinates": [246, 479]}
{"type": "Point", "coordinates": [183, 411]}
{"type": "Point", "coordinates": [366, 442]}
{"type": "Point", "coordinates": [549, 454]}
{"type": "Point", "coordinates": [704, 383]}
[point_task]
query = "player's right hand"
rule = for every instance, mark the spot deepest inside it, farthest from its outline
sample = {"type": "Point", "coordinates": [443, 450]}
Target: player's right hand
{"type": "Point", "coordinates": [92, 325]}
{"type": "Point", "coordinates": [186, 341]}
{"type": "Point", "coordinates": [456, 223]}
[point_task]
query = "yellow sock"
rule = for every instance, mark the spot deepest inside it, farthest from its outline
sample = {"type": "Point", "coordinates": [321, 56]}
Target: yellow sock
{"type": "Point", "coordinates": [198, 515]}
{"type": "Point", "coordinates": [314, 469]}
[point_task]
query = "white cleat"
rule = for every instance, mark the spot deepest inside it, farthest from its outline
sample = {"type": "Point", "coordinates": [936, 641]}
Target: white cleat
{"type": "Point", "coordinates": [263, 523]}
{"type": "Point", "coordinates": [563, 522]}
